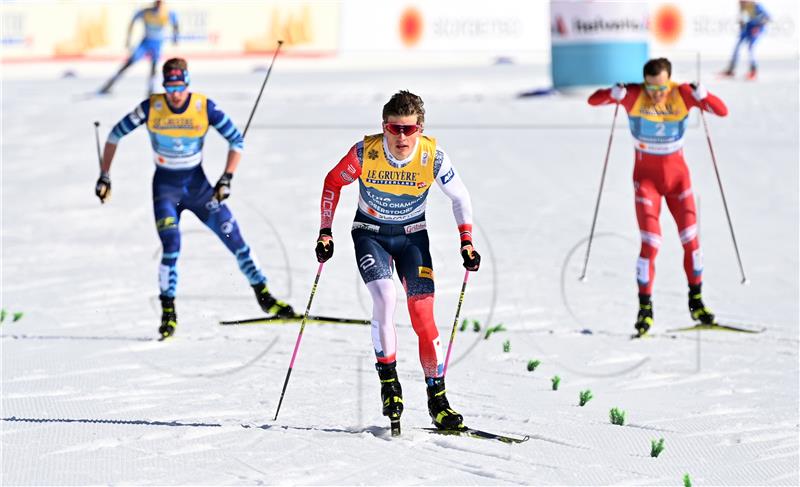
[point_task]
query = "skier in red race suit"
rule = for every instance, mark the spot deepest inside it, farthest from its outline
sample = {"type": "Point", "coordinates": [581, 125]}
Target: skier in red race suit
{"type": "Point", "coordinates": [658, 111]}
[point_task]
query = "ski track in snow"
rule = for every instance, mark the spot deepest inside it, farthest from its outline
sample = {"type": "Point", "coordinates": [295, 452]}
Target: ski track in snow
{"type": "Point", "coordinates": [90, 396]}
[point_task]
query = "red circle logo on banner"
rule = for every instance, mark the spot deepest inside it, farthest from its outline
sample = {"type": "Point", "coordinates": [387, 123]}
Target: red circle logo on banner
{"type": "Point", "coordinates": [411, 26]}
{"type": "Point", "coordinates": [667, 24]}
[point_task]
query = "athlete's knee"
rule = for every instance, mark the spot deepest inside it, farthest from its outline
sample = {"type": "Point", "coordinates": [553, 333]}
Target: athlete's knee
{"type": "Point", "coordinates": [689, 238]}
{"type": "Point", "coordinates": [645, 201]}
{"type": "Point", "coordinates": [382, 292]}
{"type": "Point", "coordinates": [420, 308]}
{"type": "Point", "coordinates": [226, 227]}
{"type": "Point", "coordinates": [651, 242]}
{"type": "Point", "coordinates": [170, 240]}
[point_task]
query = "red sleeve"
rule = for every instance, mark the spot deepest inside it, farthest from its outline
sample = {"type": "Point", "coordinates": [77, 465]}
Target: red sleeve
{"type": "Point", "coordinates": [603, 96]}
{"type": "Point", "coordinates": [344, 173]}
{"type": "Point", "coordinates": [710, 104]}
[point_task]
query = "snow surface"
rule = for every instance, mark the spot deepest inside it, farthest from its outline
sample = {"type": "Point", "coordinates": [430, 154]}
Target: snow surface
{"type": "Point", "coordinates": [89, 396]}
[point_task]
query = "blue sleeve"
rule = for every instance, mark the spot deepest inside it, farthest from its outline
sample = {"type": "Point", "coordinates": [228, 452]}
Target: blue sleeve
{"type": "Point", "coordinates": [129, 122]}
{"type": "Point", "coordinates": [173, 17]}
{"type": "Point", "coordinates": [225, 126]}
{"type": "Point", "coordinates": [360, 152]}
{"type": "Point", "coordinates": [138, 15]}
{"type": "Point", "coordinates": [437, 162]}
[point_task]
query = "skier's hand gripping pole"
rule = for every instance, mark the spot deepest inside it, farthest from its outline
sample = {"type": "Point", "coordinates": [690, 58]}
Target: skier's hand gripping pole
{"type": "Point", "coordinates": [324, 248]}
{"type": "Point", "coordinates": [102, 189]}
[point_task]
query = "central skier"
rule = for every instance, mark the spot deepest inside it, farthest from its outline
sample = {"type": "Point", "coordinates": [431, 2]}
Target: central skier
{"type": "Point", "coordinates": [395, 169]}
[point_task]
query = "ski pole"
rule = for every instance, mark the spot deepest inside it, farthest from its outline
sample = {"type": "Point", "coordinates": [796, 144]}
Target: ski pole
{"type": "Point", "coordinates": [599, 194]}
{"type": "Point", "coordinates": [299, 336]}
{"type": "Point", "coordinates": [97, 143]}
{"type": "Point", "coordinates": [724, 201]}
{"type": "Point", "coordinates": [455, 321]}
{"type": "Point", "coordinates": [269, 70]}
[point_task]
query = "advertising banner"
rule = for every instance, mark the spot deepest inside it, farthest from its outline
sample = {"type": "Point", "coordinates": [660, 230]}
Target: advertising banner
{"type": "Point", "coordinates": [711, 28]}
{"type": "Point", "coordinates": [52, 30]}
{"type": "Point", "coordinates": [595, 43]}
{"type": "Point", "coordinates": [458, 28]}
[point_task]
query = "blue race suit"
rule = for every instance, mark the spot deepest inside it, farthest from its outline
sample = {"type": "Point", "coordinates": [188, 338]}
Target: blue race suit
{"type": "Point", "coordinates": [754, 20]}
{"type": "Point", "coordinates": [179, 183]}
{"type": "Point", "coordinates": [155, 24]}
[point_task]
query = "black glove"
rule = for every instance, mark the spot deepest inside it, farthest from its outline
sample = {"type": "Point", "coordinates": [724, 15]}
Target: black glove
{"type": "Point", "coordinates": [103, 187]}
{"type": "Point", "coordinates": [324, 248]}
{"type": "Point", "coordinates": [223, 187]}
{"type": "Point", "coordinates": [472, 259]}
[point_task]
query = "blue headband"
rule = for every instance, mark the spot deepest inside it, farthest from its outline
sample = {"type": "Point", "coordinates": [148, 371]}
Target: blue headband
{"type": "Point", "coordinates": [176, 75]}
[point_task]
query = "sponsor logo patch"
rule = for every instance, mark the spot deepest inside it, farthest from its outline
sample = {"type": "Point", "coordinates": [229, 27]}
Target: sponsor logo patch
{"type": "Point", "coordinates": [227, 227]}
{"type": "Point", "coordinates": [447, 177]}
{"type": "Point", "coordinates": [415, 227]}
{"type": "Point", "coordinates": [366, 261]}
{"type": "Point", "coordinates": [166, 223]}
{"type": "Point", "coordinates": [425, 272]}
{"type": "Point", "coordinates": [177, 123]}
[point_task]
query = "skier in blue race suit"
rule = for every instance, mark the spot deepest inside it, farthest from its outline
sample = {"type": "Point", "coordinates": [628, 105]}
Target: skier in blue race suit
{"type": "Point", "coordinates": [155, 19]}
{"type": "Point", "coordinates": [752, 22]}
{"type": "Point", "coordinates": [177, 122]}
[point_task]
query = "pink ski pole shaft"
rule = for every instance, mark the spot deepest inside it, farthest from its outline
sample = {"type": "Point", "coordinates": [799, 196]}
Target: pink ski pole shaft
{"type": "Point", "coordinates": [299, 337]}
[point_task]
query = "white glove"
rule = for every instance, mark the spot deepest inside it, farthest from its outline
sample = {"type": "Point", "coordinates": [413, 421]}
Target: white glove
{"type": "Point", "coordinates": [618, 92]}
{"type": "Point", "coordinates": [699, 92]}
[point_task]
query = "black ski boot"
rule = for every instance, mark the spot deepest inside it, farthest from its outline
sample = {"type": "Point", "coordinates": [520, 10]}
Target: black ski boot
{"type": "Point", "coordinates": [169, 320]}
{"type": "Point", "coordinates": [269, 304]}
{"type": "Point", "coordinates": [697, 309]}
{"type": "Point", "coordinates": [442, 415]}
{"type": "Point", "coordinates": [644, 320]}
{"type": "Point", "coordinates": [391, 394]}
